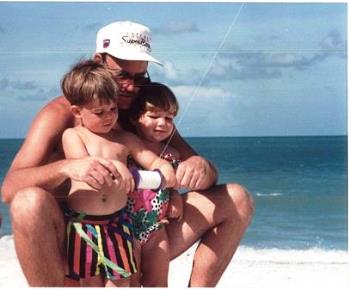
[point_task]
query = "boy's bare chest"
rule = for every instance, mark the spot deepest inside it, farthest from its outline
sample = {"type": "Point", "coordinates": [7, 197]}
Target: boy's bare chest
{"type": "Point", "coordinates": [108, 149]}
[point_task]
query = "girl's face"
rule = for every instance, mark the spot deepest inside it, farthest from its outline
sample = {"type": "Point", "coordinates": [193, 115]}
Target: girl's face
{"type": "Point", "coordinates": [155, 126]}
{"type": "Point", "coordinates": [98, 117]}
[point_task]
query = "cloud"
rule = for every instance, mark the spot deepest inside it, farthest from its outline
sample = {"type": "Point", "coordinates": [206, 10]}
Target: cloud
{"type": "Point", "coordinates": [206, 110]}
{"type": "Point", "coordinates": [4, 83]}
{"type": "Point", "coordinates": [171, 75]}
{"type": "Point", "coordinates": [242, 65]}
{"type": "Point", "coordinates": [24, 85]}
{"type": "Point", "coordinates": [39, 95]}
{"type": "Point", "coordinates": [176, 28]}
{"type": "Point", "coordinates": [187, 91]}
{"type": "Point", "coordinates": [333, 43]}
{"type": "Point", "coordinates": [17, 85]}
{"type": "Point", "coordinates": [169, 71]}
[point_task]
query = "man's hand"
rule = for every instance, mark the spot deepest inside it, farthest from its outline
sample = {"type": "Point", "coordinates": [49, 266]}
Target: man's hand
{"type": "Point", "coordinates": [196, 173]}
{"type": "Point", "coordinates": [94, 171]}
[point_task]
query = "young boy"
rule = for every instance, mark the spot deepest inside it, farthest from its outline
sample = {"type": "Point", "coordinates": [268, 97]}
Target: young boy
{"type": "Point", "coordinates": [152, 114]}
{"type": "Point", "coordinates": [99, 235]}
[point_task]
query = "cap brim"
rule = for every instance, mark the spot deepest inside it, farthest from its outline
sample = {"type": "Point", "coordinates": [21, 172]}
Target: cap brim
{"type": "Point", "coordinates": [135, 56]}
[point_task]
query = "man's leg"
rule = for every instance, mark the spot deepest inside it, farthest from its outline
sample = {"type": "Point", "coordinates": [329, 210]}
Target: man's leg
{"type": "Point", "coordinates": [39, 233]}
{"type": "Point", "coordinates": [220, 217]}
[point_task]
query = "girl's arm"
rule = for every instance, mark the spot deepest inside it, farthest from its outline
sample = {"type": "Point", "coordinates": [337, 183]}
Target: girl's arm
{"type": "Point", "coordinates": [150, 161]}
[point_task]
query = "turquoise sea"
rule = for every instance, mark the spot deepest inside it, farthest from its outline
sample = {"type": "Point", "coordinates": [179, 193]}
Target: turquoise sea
{"type": "Point", "coordinates": [300, 187]}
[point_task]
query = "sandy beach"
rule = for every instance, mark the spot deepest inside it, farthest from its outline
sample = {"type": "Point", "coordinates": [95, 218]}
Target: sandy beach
{"type": "Point", "coordinates": [250, 268]}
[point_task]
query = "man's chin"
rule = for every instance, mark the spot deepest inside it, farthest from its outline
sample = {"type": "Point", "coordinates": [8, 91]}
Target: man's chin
{"type": "Point", "coordinates": [124, 106]}
{"type": "Point", "coordinates": [125, 102]}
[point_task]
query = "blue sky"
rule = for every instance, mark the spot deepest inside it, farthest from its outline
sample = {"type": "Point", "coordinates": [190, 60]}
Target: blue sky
{"type": "Point", "coordinates": [255, 69]}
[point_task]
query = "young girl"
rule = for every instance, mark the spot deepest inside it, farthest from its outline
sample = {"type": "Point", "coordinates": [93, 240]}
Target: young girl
{"type": "Point", "coordinates": [99, 233]}
{"type": "Point", "coordinates": [152, 114]}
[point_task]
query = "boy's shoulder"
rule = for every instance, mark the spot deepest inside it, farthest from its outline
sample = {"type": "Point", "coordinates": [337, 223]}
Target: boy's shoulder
{"type": "Point", "coordinates": [121, 134]}
{"type": "Point", "coordinates": [73, 130]}
{"type": "Point", "coordinates": [78, 131]}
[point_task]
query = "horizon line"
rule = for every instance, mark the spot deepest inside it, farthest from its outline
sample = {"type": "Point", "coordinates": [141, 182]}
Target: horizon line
{"type": "Point", "coordinates": [222, 136]}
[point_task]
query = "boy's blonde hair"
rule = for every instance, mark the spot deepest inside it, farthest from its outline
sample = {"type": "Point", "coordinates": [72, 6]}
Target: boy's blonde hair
{"type": "Point", "coordinates": [152, 97]}
{"type": "Point", "coordinates": [88, 81]}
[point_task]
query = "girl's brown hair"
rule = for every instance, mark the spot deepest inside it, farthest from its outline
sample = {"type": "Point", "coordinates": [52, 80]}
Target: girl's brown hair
{"type": "Point", "coordinates": [151, 97]}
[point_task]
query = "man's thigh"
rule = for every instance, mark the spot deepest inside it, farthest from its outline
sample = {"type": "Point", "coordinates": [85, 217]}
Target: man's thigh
{"type": "Point", "coordinates": [202, 211]}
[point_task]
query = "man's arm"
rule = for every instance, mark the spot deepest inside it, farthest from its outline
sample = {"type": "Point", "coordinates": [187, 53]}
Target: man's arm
{"type": "Point", "coordinates": [193, 171]}
{"type": "Point", "coordinates": [34, 164]}
{"type": "Point", "coordinates": [30, 166]}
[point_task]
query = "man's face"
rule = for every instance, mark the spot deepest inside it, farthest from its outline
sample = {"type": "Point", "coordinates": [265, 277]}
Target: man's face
{"type": "Point", "coordinates": [130, 75]}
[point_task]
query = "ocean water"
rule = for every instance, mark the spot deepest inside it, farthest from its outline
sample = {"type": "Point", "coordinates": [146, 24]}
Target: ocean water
{"type": "Point", "coordinates": [299, 184]}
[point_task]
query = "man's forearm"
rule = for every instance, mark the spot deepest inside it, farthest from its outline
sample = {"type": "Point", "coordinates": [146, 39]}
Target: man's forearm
{"type": "Point", "coordinates": [206, 175]}
{"type": "Point", "coordinates": [47, 177]}
{"type": "Point", "coordinates": [184, 149]}
{"type": "Point", "coordinates": [211, 177]}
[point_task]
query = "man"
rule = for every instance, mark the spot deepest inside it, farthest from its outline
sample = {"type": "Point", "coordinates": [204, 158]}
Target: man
{"type": "Point", "coordinates": [36, 181]}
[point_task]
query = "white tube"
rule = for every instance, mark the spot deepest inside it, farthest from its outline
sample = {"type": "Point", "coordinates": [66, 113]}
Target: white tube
{"type": "Point", "coordinates": [147, 179]}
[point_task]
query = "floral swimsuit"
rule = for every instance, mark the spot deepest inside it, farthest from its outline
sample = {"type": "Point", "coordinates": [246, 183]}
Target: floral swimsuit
{"type": "Point", "coordinates": [147, 208]}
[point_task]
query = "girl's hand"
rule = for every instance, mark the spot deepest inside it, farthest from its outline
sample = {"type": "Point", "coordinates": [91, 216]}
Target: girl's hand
{"type": "Point", "coordinates": [169, 175]}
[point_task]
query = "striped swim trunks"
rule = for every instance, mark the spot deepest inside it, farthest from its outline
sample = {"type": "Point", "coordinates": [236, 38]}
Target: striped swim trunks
{"type": "Point", "coordinates": [99, 245]}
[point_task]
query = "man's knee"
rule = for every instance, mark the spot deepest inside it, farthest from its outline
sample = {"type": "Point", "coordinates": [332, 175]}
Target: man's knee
{"type": "Point", "coordinates": [242, 199]}
{"type": "Point", "coordinates": [30, 203]}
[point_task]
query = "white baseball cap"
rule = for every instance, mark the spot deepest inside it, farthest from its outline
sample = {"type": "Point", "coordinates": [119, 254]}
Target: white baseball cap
{"type": "Point", "coordinates": [125, 40]}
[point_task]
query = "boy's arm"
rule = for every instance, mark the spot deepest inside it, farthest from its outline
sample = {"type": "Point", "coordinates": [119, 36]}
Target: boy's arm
{"type": "Point", "coordinates": [194, 171]}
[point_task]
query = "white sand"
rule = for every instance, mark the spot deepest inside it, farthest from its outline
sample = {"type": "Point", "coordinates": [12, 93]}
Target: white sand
{"type": "Point", "coordinates": [250, 268]}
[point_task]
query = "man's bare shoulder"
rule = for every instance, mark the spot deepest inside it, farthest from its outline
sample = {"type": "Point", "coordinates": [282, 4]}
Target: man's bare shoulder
{"type": "Point", "coordinates": [59, 108]}
{"type": "Point", "coordinates": [43, 141]}
{"type": "Point", "coordinates": [55, 115]}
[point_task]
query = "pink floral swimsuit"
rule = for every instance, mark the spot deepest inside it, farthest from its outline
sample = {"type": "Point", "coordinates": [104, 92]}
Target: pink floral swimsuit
{"type": "Point", "coordinates": [147, 208]}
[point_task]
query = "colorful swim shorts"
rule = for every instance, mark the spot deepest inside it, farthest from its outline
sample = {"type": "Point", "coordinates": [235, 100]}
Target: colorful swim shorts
{"type": "Point", "coordinates": [100, 245]}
